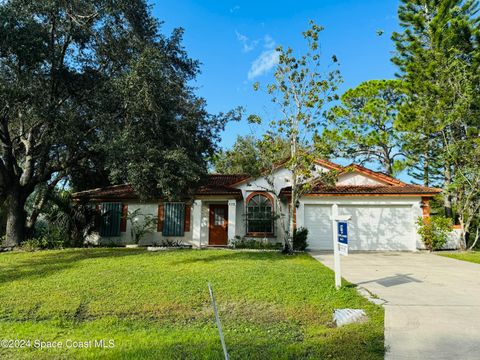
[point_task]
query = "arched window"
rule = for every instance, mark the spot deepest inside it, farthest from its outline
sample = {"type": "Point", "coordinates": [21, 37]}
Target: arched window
{"type": "Point", "coordinates": [260, 219]}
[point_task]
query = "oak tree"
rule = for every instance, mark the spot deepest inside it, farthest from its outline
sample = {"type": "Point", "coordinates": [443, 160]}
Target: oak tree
{"type": "Point", "coordinates": [89, 84]}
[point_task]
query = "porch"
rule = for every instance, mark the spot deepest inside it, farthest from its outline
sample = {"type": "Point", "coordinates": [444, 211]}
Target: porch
{"type": "Point", "coordinates": [214, 221]}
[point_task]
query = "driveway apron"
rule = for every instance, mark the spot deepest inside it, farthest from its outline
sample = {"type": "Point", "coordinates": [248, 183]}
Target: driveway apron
{"type": "Point", "coordinates": [432, 303]}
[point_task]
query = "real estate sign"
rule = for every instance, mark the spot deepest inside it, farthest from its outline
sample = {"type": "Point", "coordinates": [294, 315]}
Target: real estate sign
{"type": "Point", "coordinates": [342, 237]}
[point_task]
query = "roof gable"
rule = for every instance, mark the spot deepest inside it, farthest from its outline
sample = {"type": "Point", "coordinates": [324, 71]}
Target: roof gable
{"type": "Point", "coordinates": [371, 177]}
{"type": "Point", "coordinates": [325, 164]}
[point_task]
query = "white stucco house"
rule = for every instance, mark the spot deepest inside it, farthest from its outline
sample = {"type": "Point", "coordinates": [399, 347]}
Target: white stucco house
{"type": "Point", "coordinates": [383, 210]}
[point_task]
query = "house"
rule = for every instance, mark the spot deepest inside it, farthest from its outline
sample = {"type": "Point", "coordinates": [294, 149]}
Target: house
{"type": "Point", "coordinates": [383, 210]}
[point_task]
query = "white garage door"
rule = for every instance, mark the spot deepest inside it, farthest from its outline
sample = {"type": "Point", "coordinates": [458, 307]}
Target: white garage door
{"type": "Point", "coordinates": [319, 225]}
{"type": "Point", "coordinates": [370, 228]}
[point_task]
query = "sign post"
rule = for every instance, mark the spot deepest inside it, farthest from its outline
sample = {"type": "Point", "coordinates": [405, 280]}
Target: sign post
{"type": "Point", "coordinates": [340, 241]}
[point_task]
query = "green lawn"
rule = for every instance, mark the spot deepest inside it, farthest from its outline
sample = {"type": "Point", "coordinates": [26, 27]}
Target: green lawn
{"type": "Point", "coordinates": [472, 256]}
{"type": "Point", "coordinates": [157, 306]}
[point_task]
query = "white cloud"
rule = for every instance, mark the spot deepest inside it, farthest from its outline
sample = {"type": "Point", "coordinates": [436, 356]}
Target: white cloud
{"type": "Point", "coordinates": [267, 60]}
{"type": "Point", "coordinates": [269, 43]}
{"type": "Point", "coordinates": [234, 9]}
{"type": "Point", "coordinates": [248, 45]}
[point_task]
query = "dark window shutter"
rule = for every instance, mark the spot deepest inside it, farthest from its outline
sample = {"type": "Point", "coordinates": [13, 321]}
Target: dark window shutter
{"type": "Point", "coordinates": [98, 217]}
{"type": "Point", "coordinates": [188, 208]}
{"type": "Point", "coordinates": [123, 221]}
{"type": "Point", "coordinates": [160, 218]}
{"type": "Point", "coordinates": [111, 214]}
{"type": "Point", "coordinates": [174, 219]}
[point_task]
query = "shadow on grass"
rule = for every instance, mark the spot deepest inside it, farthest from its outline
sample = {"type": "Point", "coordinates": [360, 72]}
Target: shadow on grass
{"type": "Point", "coordinates": [208, 256]}
{"type": "Point", "coordinates": [47, 262]}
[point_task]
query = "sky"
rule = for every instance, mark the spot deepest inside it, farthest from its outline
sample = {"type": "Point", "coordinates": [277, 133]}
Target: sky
{"type": "Point", "coordinates": [235, 41]}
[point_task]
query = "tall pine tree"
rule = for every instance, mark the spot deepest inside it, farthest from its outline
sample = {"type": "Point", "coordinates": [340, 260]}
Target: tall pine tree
{"type": "Point", "coordinates": [439, 39]}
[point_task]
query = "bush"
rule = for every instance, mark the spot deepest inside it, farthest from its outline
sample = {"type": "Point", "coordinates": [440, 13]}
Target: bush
{"type": "Point", "coordinates": [33, 244]}
{"type": "Point", "coordinates": [54, 240]}
{"type": "Point", "coordinates": [169, 243]}
{"type": "Point", "coordinates": [139, 229]}
{"type": "Point", "coordinates": [245, 243]}
{"type": "Point", "coordinates": [434, 231]}
{"type": "Point", "coordinates": [300, 239]}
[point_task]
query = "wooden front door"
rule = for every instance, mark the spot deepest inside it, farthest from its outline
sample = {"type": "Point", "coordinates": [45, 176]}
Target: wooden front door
{"type": "Point", "coordinates": [218, 225]}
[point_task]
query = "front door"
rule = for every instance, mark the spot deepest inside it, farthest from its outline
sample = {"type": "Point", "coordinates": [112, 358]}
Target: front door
{"type": "Point", "coordinates": [218, 225]}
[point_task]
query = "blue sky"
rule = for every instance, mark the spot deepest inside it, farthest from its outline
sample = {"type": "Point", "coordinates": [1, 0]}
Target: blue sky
{"type": "Point", "coordinates": [234, 40]}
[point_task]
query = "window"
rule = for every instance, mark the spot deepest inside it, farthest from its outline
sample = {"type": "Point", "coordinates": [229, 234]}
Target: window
{"type": "Point", "coordinates": [174, 219]}
{"type": "Point", "coordinates": [219, 216]}
{"type": "Point", "coordinates": [110, 217]}
{"type": "Point", "coordinates": [260, 215]}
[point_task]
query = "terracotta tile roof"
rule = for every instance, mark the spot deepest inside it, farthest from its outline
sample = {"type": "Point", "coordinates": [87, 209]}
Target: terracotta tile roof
{"type": "Point", "coordinates": [124, 191]}
{"type": "Point", "coordinates": [213, 185]}
{"type": "Point", "coordinates": [328, 164]}
{"type": "Point", "coordinates": [404, 189]}
{"type": "Point", "coordinates": [221, 179]}
{"type": "Point", "coordinates": [217, 184]}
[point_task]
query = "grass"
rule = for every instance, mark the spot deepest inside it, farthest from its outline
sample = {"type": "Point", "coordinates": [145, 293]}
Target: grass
{"type": "Point", "coordinates": [471, 256]}
{"type": "Point", "coordinates": [157, 306]}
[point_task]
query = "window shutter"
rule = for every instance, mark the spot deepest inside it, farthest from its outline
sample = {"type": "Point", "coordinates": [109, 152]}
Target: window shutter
{"type": "Point", "coordinates": [98, 217]}
{"type": "Point", "coordinates": [174, 219]}
{"type": "Point", "coordinates": [160, 218]}
{"type": "Point", "coordinates": [123, 222]}
{"type": "Point", "coordinates": [111, 214]}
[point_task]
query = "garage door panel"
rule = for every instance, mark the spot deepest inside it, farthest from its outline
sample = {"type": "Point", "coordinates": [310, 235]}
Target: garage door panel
{"type": "Point", "coordinates": [372, 227]}
{"type": "Point", "coordinates": [380, 227]}
{"type": "Point", "coordinates": [319, 225]}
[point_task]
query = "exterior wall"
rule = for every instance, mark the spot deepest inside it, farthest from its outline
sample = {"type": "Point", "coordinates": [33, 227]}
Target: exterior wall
{"type": "Point", "coordinates": [198, 233]}
{"type": "Point", "coordinates": [150, 239]}
{"type": "Point", "coordinates": [188, 239]}
{"type": "Point", "coordinates": [454, 240]}
{"type": "Point", "coordinates": [282, 178]}
{"type": "Point", "coordinates": [354, 178]}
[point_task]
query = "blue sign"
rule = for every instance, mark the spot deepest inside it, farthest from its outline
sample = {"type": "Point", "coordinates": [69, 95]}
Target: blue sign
{"type": "Point", "coordinates": [342, 232]}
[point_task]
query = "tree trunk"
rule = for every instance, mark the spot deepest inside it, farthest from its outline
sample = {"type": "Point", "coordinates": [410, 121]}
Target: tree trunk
{"type": "Point", "coordinates": [447, 199]}
{"type": "Point", "coordinates": [426, 170]}
{"type": "Point", "coordinates": [477, 236]}
{"type": "Point", "coordinates": [389, 168]}
{"type": "Point", "coordinates": [447, 203]}
{"type": "Point", "coordinates": [15, 232]}
{"type": "Point", "coordinates": [291, 227]}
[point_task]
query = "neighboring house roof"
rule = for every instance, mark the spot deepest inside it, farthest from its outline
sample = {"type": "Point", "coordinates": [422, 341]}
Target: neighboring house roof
{"type": "Point", "coordinates": [213, 185]}
{"type": "Point", "coordinates": [404, 189]}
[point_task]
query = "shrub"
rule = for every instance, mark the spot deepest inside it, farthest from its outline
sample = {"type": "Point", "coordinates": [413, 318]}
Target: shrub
{"type": "Point", "coordinates": [51, 241]}
{"type": "Point", "coordinates": [33, 244]}
{"type": "Point", "coordinates": [139, 229]}
{"type": "Point", "coordinates": [245, 243]}
{"type": "Point", "coordinates": [300, 239]}
{"type": "Point", "coordinates": [171, 243]}
{"type": "Point", "coordinates": [434, 231]}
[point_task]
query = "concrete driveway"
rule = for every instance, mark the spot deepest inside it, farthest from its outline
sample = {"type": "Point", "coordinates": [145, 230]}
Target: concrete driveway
{"type": "Point", "coordinates": [432, 308]}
